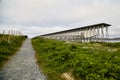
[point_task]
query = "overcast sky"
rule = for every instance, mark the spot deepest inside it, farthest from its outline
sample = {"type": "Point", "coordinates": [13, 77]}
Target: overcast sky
{"type": "Point", "coordinates": [36, 17]}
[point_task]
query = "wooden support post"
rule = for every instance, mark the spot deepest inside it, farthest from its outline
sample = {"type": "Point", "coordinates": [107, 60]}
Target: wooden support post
{"type": "Point", "coordinates": [94, 33]}
{"type": "Point", "coordinates": [71, 35]}
{"type": "Point", "coordinates": [98, 35]}
{"type": "Point", "coordinates": [102, 33]}
{"type": "Point", "coordinates": [80, 35]}
{"type": "Point", "coordinates": [75, 35]}
{"type": "Point", "coordinates": [107, 34]}
{"type": "Point", "coordinates": [90, 34]}
{"type": "Point", "coordinates": [86, 34]}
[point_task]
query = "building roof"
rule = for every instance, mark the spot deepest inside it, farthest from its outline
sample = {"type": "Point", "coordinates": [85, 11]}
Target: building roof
{"type": "Point", "coordinates": [80, 28]}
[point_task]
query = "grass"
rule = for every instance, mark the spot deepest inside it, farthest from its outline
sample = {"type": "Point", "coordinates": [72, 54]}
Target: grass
{"type": "Point", "coordinates": [8, 46]}
{"type": "Point", "coordinates": [85, 61]}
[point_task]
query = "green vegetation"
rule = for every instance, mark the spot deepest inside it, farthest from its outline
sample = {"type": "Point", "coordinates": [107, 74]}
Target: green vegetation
{"type": "Point", "coordinates": [86, 61]}
{"type": "Point", "coordinates": [9, 44]}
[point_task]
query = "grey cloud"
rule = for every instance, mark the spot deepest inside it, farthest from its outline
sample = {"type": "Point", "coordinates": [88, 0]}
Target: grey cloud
{"type": "Point", "coordinates": [48, 14]}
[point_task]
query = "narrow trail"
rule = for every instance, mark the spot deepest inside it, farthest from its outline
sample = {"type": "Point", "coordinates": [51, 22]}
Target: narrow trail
{"type": "Point", "coordinates": [22, 66]}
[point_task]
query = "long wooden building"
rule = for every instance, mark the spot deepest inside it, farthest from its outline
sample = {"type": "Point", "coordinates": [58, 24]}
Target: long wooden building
{"type": "Point", "coordinates": [96, 32]}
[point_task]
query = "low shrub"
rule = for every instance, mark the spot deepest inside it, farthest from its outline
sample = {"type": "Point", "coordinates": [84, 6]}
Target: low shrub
{"type": "Point", "coordinates": [8, 46]}
{"type": "Point", "coordinates": [84, 60]}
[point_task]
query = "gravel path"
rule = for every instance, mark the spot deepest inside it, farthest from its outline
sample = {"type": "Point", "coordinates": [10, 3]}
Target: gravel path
{"type": "Point", "coordinates": [22, 66]}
